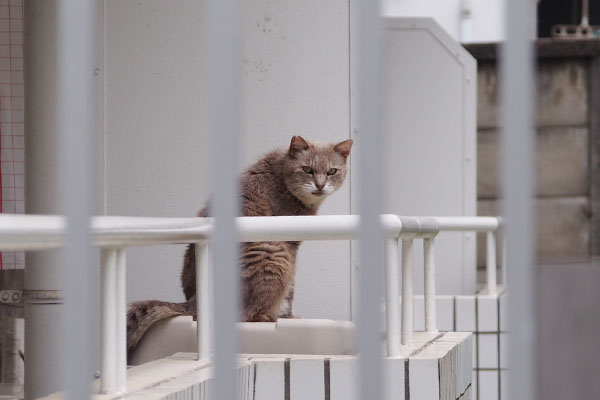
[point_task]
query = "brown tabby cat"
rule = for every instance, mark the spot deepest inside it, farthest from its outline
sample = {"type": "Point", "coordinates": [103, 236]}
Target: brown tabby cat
{"type": "Point", "coordinates": [293, 181]}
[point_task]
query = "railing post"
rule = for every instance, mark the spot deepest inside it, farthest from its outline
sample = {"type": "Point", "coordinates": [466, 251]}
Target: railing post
{"type": "Point", "coordinates": [503, 257]}
{"type": "Point", "coordinates": [108, 297]}
{"type": "Point", "coordinates": [407, 291]}
{"type": "Point", "coordinates": [392, 295]}
{"type": "Point", "coordinates": [429, 257]}
{"type": "Point", "coordinates": [203, 295]}
{"type": "Point", "coordinates": [491, 262]}
{"type": "Point", "coordinates": [121, 331]}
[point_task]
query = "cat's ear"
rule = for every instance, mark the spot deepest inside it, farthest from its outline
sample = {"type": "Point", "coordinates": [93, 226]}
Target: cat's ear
{"type": "Point", "coordinates": [343, 148]}
{"type": "Point", "coordinates": [297, 145]}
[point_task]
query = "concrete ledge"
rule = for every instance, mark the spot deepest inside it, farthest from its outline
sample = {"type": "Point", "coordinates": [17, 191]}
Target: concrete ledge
{"type": "Point", "coordinates": [286, 336]}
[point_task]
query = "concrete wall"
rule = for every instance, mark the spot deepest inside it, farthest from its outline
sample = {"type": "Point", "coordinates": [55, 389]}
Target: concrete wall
{"type": "Point", "coordinates": [564, 147]}
{"type": "Point", "coordinates": [295, 81]}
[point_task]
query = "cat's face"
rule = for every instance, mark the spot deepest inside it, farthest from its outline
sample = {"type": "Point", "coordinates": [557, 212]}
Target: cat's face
{"type": "Point", "coordinates": [313, 171]}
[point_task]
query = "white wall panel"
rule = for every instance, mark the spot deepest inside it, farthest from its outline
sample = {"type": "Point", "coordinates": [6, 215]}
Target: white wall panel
{"type": "Point", "coordinates": [295, 79]}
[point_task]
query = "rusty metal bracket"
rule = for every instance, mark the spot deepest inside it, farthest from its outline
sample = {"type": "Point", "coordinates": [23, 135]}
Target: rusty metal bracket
{"type": "Point", "coordinates": [43, 296]}
{"type": "Point", "coordinates": [11, 296]}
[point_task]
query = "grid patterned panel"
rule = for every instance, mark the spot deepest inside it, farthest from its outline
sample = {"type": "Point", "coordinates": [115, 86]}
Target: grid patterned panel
{"type": "Point", "coordinates": [12, 118]}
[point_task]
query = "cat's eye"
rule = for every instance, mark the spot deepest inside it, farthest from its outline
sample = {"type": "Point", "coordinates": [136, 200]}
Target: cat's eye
{"type": "Point", "coordinates": [308, 170]}
{"type": "Point", "coordinates": [332, 171]}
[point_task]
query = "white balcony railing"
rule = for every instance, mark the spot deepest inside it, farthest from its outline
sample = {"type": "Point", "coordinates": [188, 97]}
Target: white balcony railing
{"type": "Point", "coordinates": [114, 234]}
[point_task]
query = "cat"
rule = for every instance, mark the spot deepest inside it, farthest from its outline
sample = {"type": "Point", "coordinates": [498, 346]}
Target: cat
{"type": "Point", "coordinates": [291, 181]}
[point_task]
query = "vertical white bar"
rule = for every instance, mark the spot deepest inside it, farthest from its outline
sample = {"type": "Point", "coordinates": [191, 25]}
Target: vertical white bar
{"type": "Point", "coordinates": [407, 291]}
{"type": "Point", "coordinates": [392, 296]}
{"type": "Point", "coordinates": [369, 37]}
{"type": "Point", "coordinates": [503, 265]}
{"type": "Point", "coordinates": [108, 298]}
{"type": "Point", "coordinates": [491, 262]}
{"type": "Point", "coordinates": [517, 164]}
{"type": "Point", "coordinates": [224, 75]}
{"type": "Point", "coordinates": [121, 313]}
{"type": "Point", "coordinates": [203, 317]}
{"type": "Point", "coordinates": [429, 258]}
{"type": "Point", "coordinates": [76, 27]}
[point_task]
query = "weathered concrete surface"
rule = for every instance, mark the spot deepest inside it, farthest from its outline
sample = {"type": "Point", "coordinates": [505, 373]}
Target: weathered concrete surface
{"type": "Point", "coordinates": [562, 224]}
{"type": "Point", "coordinates": [562, 94]}
{"type": "Point", "coordinates": [569, 323]}
{"type": "Point", "coordinates": [562, 162]}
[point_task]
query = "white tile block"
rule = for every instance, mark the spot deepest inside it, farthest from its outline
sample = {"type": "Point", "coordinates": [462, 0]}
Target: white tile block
{"type": "Point", "coordinates": [269, 379]}
{"type": "Point", "coordinates": [474, 385]}
{"type": "Point", "coordinates": [307, 379]}
{"type": "Point", "coordinates": [467, 364]}
{"type": "Point", "coordinates": [465, 313]}
{"type": "Point", "coordinates": [394, 379]}
{"type": "Point", "coordinates": [488, 350]}
{"type": "Point", "coordinates": [504, 350]}
{"type": "Point", "coordinates": [419, 313]}
{"type": "Point", "coordinates": [504, 385]}
{"type": "Point", "coordinates": [444, 313]}
{"type": "Point", "coordinates": [343, 379]}
{"type": "Point", "coordinates": [504, 312]}
{"type": "Point", "coordinates": [474, 353]}
{"type": "Point", "coordinates": [424, 379]}
{"type": "Point", "coordinates": [488, 385]}
{"type": "Point", "coordinates": [487, 313]}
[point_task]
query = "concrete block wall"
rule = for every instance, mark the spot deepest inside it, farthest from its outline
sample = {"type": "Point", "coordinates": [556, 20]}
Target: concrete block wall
{"type": "Point", "coordinates": [566, 153]}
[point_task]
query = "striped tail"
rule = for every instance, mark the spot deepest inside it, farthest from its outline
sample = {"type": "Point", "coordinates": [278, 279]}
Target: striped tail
{"type": "Point", "coordinates": [143, 314]}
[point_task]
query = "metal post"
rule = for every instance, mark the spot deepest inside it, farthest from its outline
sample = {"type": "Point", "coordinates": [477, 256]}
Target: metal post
{"type": "Point", "coordinates": [429, 258]}
{"type": "Point", "coordinates": [44, 318]}
{"type": "Point", "coordinates": [224, 55]}
{"type": "Point", "coordinates": [392, 295]}
{"type": "Point", "coordinates": [517, 164]}
{"type": "Point", "coordinates": [369, 39]}
{"type": "Point", "coordinates": [77, 124]}
{"type": "Point", "coordinates": [203, 319]}
{"type": "Point", "coordinates": [108, 384]}
{"type": "Point", "coordinates": [121, 318]}
{"type": "Point", "coordinates": [407, 291]}
{"type": "Point", "coordinates": [491, 262]}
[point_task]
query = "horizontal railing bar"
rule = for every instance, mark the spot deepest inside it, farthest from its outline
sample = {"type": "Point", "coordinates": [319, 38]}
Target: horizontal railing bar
{"type": "Point", "coordinates": [42, 232]}
{"type": "Point", "coordinates": [479, 224]}
{"type": "Point", "coordinates": [322, 227]}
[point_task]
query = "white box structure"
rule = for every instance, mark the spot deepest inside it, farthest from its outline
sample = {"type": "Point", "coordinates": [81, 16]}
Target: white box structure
{"type": "Point", "coordinates": [429, 118]}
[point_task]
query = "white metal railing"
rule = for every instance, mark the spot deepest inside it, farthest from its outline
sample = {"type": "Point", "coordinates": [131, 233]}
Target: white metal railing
{"type": "Point", "coordinates": [114, 234]}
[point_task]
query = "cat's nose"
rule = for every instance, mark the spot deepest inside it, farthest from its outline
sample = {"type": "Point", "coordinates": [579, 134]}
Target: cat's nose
{"type": "Point", "coordinates": [320, 186]}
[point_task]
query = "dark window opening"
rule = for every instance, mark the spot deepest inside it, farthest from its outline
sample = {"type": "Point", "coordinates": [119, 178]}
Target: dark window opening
{"type": "Point", "coordinates": [565, 12]}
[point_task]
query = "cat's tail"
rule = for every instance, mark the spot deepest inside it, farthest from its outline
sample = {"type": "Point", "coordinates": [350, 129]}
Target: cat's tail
{"type": "Point", "coordinates": [143, 314]}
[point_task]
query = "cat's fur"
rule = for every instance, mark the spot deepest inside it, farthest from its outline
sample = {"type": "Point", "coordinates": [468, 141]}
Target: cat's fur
{"type": "Point", "coordinates": [294, 181]}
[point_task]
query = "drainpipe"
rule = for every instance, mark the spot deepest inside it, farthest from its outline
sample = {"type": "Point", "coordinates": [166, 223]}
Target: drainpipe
{"type": "Point", "coordinates": [44, 310]}
{"type": "Point", "coordinates": [466, 21]}
{"type": "Point", "coordinates": [45, 316]}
